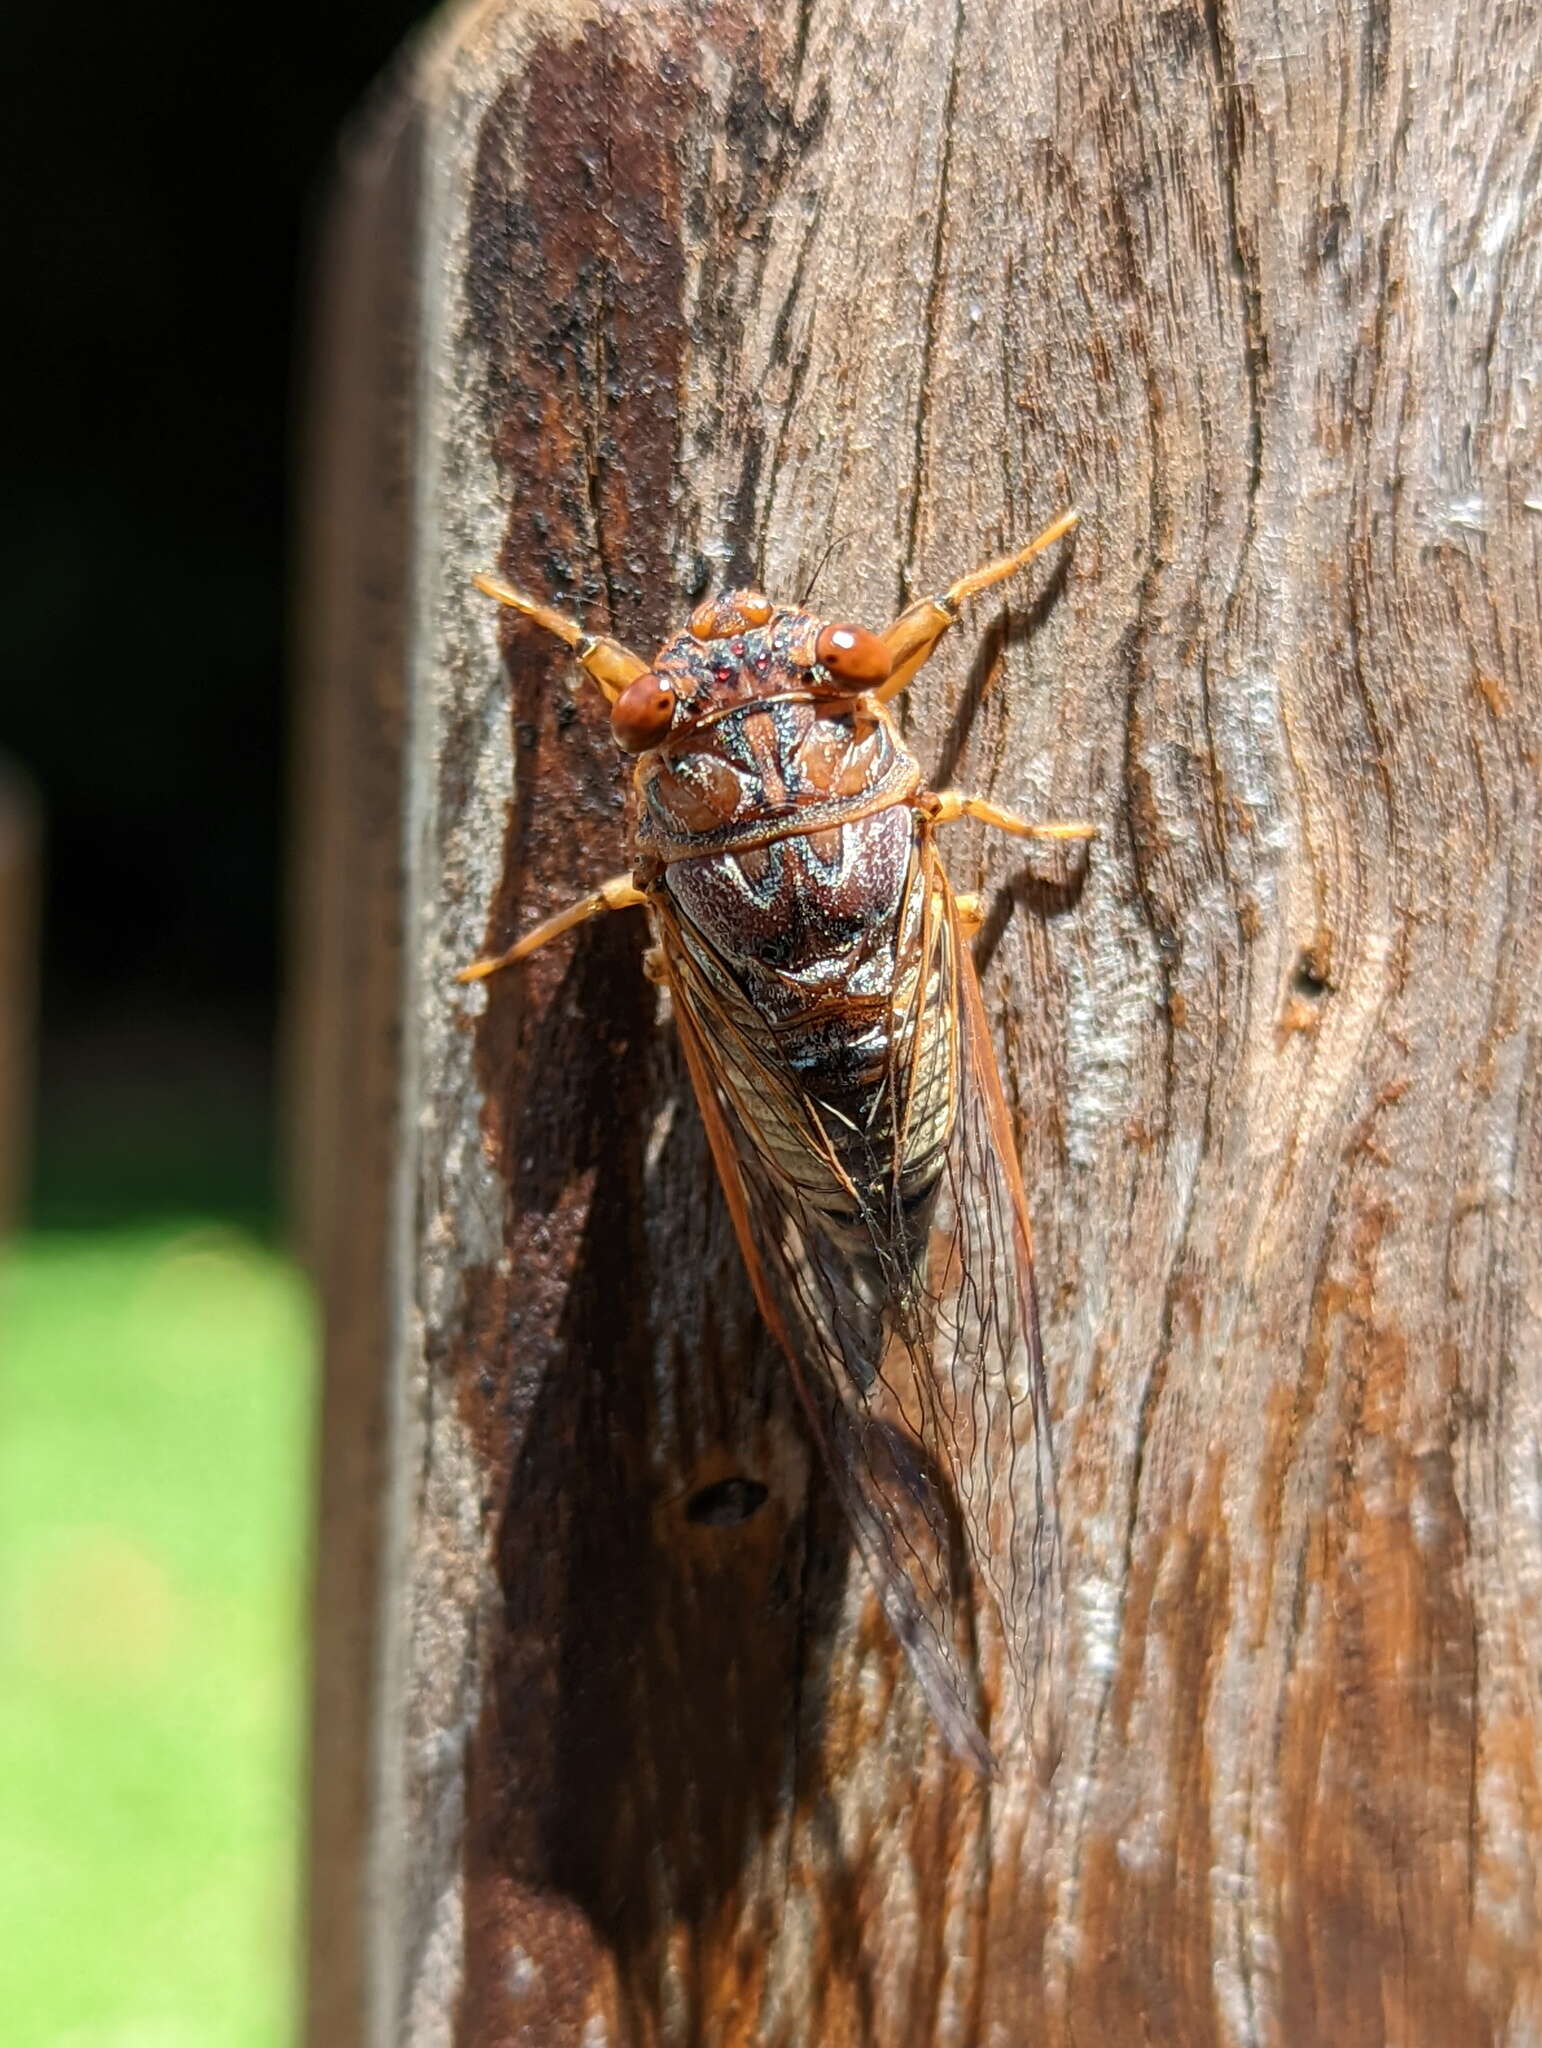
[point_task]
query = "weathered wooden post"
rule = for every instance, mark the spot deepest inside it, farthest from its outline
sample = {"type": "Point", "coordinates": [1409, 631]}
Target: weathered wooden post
{"type": "Point", "coordinates": [630, 298]}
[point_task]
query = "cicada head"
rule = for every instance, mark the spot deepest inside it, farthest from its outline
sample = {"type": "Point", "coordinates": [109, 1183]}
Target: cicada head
{"type": "Point", "coordinates": [738, 647]}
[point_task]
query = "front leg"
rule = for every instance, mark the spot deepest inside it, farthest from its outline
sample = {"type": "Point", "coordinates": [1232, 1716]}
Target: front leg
{"type": "Point", "coordinates": [612, 665]}
{"type": "Point", "coordinates": [946, 806]}
{"type": "Point", "coordinates": [912, 639]}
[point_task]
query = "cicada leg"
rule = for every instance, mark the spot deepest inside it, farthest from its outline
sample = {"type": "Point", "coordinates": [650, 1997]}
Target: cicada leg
{"type": "Point", "coordinates": [913, 637]}
{"type": "Point", "coordinates": [618, 893]}
{"type": "Point", "coordinates": [946, 806]}
{"type": "Point", "coordinates": [612, 665]}
{"type": "Point", "coordinates": [970, 906]}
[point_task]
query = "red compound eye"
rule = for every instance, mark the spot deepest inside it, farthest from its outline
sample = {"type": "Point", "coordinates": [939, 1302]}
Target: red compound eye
{"type": "Point", "coordinates": [642, 714]}
{"type": "Point", "coordinates": [853, 654]}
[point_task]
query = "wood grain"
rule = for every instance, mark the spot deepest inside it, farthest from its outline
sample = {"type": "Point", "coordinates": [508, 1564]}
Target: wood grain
{"type": "Point", "coordinates": [668, 294]}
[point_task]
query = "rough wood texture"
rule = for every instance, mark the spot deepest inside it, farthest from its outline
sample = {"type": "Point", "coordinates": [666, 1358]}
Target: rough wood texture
{"type": "Point", "coordinates": [693, 291]}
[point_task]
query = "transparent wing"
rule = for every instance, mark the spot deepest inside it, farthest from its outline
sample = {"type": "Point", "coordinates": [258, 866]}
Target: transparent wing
{"type": "Point", "coordinates": [910, 1323]}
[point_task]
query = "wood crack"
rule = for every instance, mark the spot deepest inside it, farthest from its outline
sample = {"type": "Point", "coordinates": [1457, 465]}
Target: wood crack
{"type": "Point", "coordinates": [933, 311]}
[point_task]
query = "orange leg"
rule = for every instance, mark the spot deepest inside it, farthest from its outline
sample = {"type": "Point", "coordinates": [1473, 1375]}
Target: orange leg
{"type": "Point", "coordinates": [616, 894]}
{"type": "Point", "coordinates": [612, 665]}
{"type": "Point", "coordinates": [944, 807]}
{"type": "Point", "coordinates": [913, 637]}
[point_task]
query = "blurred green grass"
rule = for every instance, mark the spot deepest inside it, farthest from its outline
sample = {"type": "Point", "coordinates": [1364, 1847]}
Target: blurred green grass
{"type": "Point", "coordinates": [155, 1465]}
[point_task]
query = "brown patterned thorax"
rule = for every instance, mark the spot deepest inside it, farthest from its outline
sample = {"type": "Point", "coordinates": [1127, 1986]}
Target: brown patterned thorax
{"type": "Point", "coordinates": [765, 742]}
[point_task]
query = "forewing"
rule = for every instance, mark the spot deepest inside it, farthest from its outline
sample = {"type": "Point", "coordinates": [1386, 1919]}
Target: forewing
{"type": "Point", "coordinates": [915, 1349]}
{"type": "Point", "coordinates": [986, 1369]}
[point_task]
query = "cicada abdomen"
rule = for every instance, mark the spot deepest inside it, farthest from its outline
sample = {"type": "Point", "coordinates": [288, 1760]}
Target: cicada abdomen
{"type": "Point", "coordinates": [832, 1023]}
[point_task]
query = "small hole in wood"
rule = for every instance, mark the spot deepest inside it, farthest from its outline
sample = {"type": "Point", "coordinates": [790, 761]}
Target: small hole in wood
{"type": "Point", "coordinates": [725, 1503]}
{"type": "Point", "coordinates": [1309, 979]}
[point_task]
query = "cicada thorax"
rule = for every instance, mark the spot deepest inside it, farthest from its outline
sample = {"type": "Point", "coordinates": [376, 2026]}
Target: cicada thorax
{"type": "Point", "coordinates": [790, 863]}
{"type": "Point", "coordinates": [761, 752]}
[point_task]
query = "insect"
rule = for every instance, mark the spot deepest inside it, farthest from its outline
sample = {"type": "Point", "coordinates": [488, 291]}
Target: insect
{"type": "Point", "coordinates": [832, 1024]}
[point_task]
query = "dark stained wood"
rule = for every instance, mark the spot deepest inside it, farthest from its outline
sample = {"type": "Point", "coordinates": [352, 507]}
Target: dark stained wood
{"type": "Point", "coordinates": [630, 301]}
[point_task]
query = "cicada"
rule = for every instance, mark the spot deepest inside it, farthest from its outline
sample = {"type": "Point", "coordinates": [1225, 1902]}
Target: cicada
{"type": "Point", "coordinates": [818, 963]}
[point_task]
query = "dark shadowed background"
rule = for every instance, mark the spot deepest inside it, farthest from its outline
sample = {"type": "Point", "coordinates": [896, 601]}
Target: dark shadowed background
{"type": "Point", "coordinates": [162, 174]}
